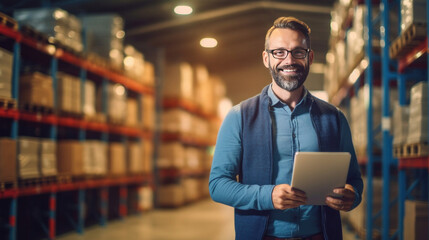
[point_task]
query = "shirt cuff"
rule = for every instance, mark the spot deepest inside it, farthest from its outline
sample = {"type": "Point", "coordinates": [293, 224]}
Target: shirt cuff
{"type": "Point", "coordinates": [357, 198]}
{"type": "Point", "coordinates": [266, 199]}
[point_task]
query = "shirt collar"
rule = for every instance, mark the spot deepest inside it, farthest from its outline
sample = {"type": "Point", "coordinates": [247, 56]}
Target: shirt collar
{"type": "Point", "coordinates": [275, 100]}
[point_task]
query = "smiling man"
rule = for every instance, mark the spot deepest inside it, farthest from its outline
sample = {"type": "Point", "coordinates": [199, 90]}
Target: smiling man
{"type": "Point", "coordinates": [260, 136]}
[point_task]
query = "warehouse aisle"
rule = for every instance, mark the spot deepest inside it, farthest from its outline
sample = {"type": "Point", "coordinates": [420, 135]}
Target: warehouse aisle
{"type": "Point", "coordinates": [201, 220]}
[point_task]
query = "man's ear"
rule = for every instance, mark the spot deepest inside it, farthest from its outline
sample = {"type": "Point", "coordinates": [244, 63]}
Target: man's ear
{"type": "Point", "coordinates": [310, 56]}
{"type": "Point", "coordinates": [265, 59]}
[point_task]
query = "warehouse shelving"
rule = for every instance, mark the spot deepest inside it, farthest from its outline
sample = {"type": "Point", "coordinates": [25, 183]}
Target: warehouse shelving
{"type": "Point", "coordinates": [394, 74]}
{"type": "Point", "coordinates": [113, 192]}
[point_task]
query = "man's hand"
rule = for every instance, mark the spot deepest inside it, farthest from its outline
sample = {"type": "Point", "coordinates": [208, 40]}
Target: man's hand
{"type": "Point", "coordinates": [345, 201]}
{"type": "Point", "coordinates": [284, 196]}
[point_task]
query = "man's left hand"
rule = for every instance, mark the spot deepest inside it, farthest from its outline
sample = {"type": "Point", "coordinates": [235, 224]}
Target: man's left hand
{"type": "Point", "coordinates": [345, 201]}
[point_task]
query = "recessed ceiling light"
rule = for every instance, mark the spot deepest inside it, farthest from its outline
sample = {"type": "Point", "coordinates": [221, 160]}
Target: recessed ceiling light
{"type": "Point", "coordinates": [208, 42]}
{"type": "Point", "coordinates": [183, 10]}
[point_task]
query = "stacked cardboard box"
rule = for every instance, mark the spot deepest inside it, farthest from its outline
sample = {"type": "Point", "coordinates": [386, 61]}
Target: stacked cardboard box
{"type": "Point", "coordinates": [179, 81]}
{"type": "Point", "coordinates": [132, 118]}
{"type": "Point", "coordinates": [134, 63]}
{"type": "Point", "coordinates": [57, 23]}
{"type": "Point", "coordinates": [89, 100]}
{"type": "Point", "coordinates": [7, 160]}
{"type": "Point", "coordinates": [95, 157]}
{"type": "Point", "coordinates": [145, 198]}
{"type": "Point", "coordinates": [171, 155]}
{"type": "Point", "coordinates": [191, 189]}
{"type": "Point", "coordinates": [177, 121]}
{"type": "Point", "coordinates": [69, 93]}
{"type": "Point", "coordinates": [117, 159]}
{"type": "Point", "coordinates": [106, 41]}
{"type": "Point", "coordinates": [28, 158]}
{"type": "Point", "coordinates": [148, 112]}
{"type": "Point", "coordinates": [6, 63]}
{"type": "Point", "coordinates": [35, 89]}
{"type": "Point", "coordinates": [170, 195]}
{"type": "Point", "coordinates": [117, 103]}
{"type": "Point", "coordinates": [418, 120]}
{"type": "Point", "coordinates": [147, 156]}
{"type": "Point", "coordinates": [149, 74]}
{"type": "Point", "coordinates": [135, 158]}
{"type": "Point", "coordinates": [70, 158]}
{"type": "Point", "coordinates": [400, 124]}
{"type": "Point", "coordinates": [48, 157]}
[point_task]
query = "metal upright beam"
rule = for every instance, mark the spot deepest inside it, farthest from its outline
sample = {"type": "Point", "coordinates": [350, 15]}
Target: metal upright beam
{"type": "Point", "coordinates": [13, 218]}
{"type": "Point", "coordinates": [385, 119]}
{"type": "Point", "coordinates": [52, 214]}
{"type": "Point", "coordinates": [369, 82]}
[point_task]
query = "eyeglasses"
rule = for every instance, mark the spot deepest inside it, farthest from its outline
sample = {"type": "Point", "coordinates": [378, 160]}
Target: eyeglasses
{"type": "Point", "coordinates": [298, 53]}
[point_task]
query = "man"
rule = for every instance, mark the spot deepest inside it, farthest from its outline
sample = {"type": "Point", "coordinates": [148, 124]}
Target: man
{"type": "Point", "coordinates": [259, 137]}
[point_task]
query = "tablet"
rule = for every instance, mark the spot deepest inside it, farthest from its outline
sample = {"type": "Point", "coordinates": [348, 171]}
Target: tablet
{"type": "Point", "coordinates": [318, 173]}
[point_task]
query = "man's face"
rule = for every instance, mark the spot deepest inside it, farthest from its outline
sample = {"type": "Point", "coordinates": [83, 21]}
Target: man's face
{"type": "Point", "coordinates": [288, 73]}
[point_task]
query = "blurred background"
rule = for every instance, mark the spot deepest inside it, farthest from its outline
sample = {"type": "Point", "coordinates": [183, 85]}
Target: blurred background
{"type": "Point", "coordinates": [110, 110]}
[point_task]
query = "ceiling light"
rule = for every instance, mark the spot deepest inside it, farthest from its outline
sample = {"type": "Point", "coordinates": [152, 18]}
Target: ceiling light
{"type": "Point", "coordinates": [208, 42]}
{"type": "Point", "coordinates": [183, 10]}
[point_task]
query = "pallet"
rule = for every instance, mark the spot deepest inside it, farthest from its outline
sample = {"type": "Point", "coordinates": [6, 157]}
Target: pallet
{"type": "Point", "coordinates": [409, 39]}
{"type": "Point", "coordinates": [37, 109]}
{"type": "Point", "coordinates": [7, 103]}
{"type": "Point", "coordinates": [8, 21]}
{"type": "Point", "coordinates": [398, 151]}
{"type": "Point", "coordinates": [64, 178]}
{"type": "Point", "coordinates": [8, 185]}
{"type": "Point", "coordinates": [416, 150]}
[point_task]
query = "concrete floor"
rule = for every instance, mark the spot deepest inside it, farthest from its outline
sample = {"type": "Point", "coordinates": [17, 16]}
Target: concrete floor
{"type": "Point", "coordinates": [202, 220]}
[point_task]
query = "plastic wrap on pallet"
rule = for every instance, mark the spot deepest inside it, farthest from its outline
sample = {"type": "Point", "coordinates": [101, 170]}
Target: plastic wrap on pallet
{"type": "Point", "coordinates": [56, 22]}
{"type": "Point", "coordinates": [48, 157]}
{"type": "Point", "coordinates": [117, 103]}
{"type": "Point", "coordinates": [69, 93]}
{"type": "Point", "coordinates": [134, 63]}
{"type": "Point", "coordinates": [28, 158]}
{"type": "Point", "coordinates": [400, 124]}
{"type": "Point", "coordinates": [95, 157]}
{"type": "Point", "coordinates": [8, 160]}
{"type": "Point", "coordinates": [418, 120]}
{"type": "Point", "coordinates": [412, 12]}
{"type": "Point", "coordinates": [6, 63]}
{"type": "Point", "coordinates": [106, 41]}
{"type": "Point", "coordinates": [89, 102]}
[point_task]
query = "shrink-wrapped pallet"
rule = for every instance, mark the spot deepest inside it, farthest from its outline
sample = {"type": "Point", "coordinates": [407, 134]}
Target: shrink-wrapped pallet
{"type": "Point", "coordinates": [64, 27]}
{"type": "Point", "coordinates": [48, 157]}
{"type": "Point", "coordinates": [95, 157]}
{"type": "Point", "coordinates": [418, 120]}
{"type": "Point", "coordinates": [145, 198]}
{"type": "Point", "coordinates": [412, 12]}
{"type": "Point", "coordinates": [400, 124]}
{"type": "Point", "coordinates": [28, 157]}
{"type": "Point", "coordinates": [69, 93]}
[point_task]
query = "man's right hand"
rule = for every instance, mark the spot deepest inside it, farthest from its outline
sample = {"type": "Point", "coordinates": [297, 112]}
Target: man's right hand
{"type": "Point", "coordinates": [284, 196]}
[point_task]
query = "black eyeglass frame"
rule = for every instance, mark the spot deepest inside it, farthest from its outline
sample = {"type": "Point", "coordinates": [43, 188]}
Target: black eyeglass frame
{"type": "Point", "coordinates": [287, 52]}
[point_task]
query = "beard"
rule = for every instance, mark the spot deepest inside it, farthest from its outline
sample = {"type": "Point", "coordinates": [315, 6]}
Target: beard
{"type": "Point", "coordinates": [292, 82]}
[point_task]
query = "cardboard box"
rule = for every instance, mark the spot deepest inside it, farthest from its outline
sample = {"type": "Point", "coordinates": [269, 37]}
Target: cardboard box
{"type": "Point", "coordinates": [28, 158]}
{"type": "Point", "coordinates": [145, 198]}
{"type": "Point", "coordinates": [117, 160]}
{"type": "Point", "coordinates": [416, 220]}
{"type": "Point", "coordinates": [36, 89]}
{"type": "Point", "coordinates": [171, 155]}
{"type": "Point", "coordinates": [147, 156]}
{"type": "Point", "coordinates": [48, 157]}
{"type": "Point", "coordinates": [178, 81]}
{"type": "Point", "coordinates": [177, 121]}
{"type": "Point", "coordinates": [132, 118]}
{"type": "Point", "coordinates": [89, 102]}
{"type": "Point", "coordinates": [135, 158]}
{"type": "Point", "coordinates": [191, 187]}
{"type": "Point", "coordinates": [8, 160]}
{"type": "Point", "coordinates": [170, 195]}
{"type": "Point", "coordinates": [95, 157]}
{"type": "Point", "coordinates": [148, 112]}
{"type": "Point", "coordinates": [70, 158]}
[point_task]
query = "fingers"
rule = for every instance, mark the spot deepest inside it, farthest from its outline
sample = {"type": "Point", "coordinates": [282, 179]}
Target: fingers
{"type": "Point", "coordinates": [345, 200]}
{"type": "Point", "coordinates": [284, 196]}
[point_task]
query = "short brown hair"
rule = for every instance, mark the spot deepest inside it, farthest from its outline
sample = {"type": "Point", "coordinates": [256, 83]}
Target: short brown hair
{"type": "Point", "coordinates": [290, 23]}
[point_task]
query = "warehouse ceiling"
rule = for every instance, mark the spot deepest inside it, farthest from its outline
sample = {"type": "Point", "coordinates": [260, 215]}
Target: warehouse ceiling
{"type": "Point", "coordinates": [238, 25]}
